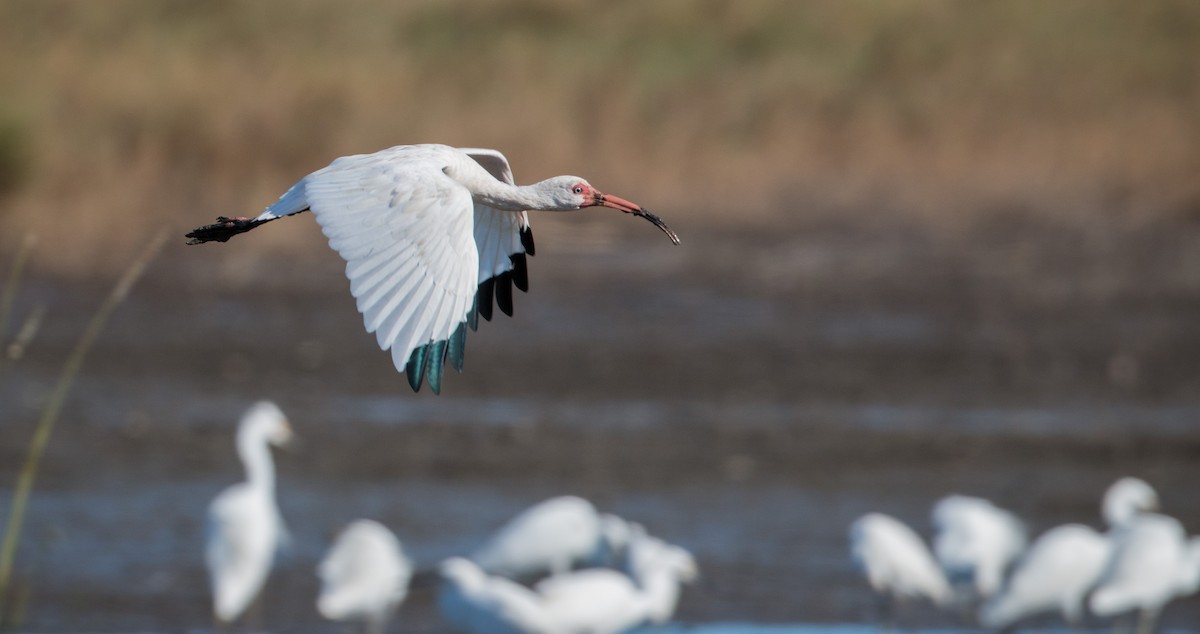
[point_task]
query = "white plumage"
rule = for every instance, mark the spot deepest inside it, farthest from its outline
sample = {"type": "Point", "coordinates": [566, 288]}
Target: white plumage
{"type": "Point", "coordinates": [1055, 574]}
{"type": "Point", "coordinates": [474, 602]}
{"type": "Point", "coordinates": [604, 601]}
{"type": "Point", "coordinates": [592, 601]}
{"type": "Point", "coordinates": [431, 236]}
{"type": "Point", "coordinates": [551, 536]}
{"type": "Point", "coordinates": [1067, 562]}
{"type": "Point", "coordinates": [244, 526]}
{"type": "Point", "coordinates": [364, 576]}
{"type": "Point", "coordinates": [896, 562]}
{"type": "Point", "coordinates": [976, 541]}
{"type": "Point", "coordinates": [1152, 563]}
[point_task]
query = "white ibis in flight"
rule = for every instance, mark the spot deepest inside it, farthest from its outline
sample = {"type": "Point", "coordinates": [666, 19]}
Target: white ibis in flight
{"type": "Point", "coordinates": [431, 235]}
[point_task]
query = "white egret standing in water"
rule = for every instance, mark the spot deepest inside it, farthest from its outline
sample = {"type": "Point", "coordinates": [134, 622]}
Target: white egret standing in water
{"type": "Point", "coordinates": [1152, 563]}
{"type": "Point", "coordinates": [896, 562]}
{"type": "Point", "coordinates": [975, 541]}
{"type": "Point", "coordinates": [1066, 562]}
{"type": "Point", "coordinates": [1055, 574]}
{"type": "Point", "coordinates": [364, 576]}
{"type": "Point", "coordinates": [604, 601]}
{"type": "Point", "coordinates": [244, 526]}
{"type": "Point", "coordinates": [592, 601]}
{"type": "Point", "coordinates": [550, 536]}
{"type": "Point", "coordinates": [474, 602]}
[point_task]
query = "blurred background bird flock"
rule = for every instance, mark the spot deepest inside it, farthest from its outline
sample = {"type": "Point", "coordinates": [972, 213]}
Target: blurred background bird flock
{"type": "Point", "coordinates": [925, 359]}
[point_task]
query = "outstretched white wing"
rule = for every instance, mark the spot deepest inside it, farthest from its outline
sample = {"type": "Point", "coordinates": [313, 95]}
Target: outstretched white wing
{"type": "Point", "coordinates": [404, 229]}
{"type": "Point", "coordinates": [503, 239]}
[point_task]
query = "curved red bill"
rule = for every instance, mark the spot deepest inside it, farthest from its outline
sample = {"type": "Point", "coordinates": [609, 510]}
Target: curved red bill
{"type": "Point", "coordinates": [628, 207]}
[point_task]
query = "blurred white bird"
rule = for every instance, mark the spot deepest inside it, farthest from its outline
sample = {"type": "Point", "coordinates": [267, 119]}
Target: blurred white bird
{"type": "Point", "coordinates": [975, 541]}
{"type": "Point", "coordinates": [364, 576]}
{"type": "Point", "coordinates": [550, 536]}
{"type": "Point", "coordinates": [1066, 562]}
{"type": "Point", "coordinates": [660, 569]}
{"type": "Point", "coordinates": [604, 601]}
{"type": "Point", "coordinates": [896, 562]}
{"type": "Point", "coordinates": [430, 234]}
{"type": "Point", "coordinates": [1152, 563]}
{"type": "Point", "coordinates": [244, 526]}
{"type": "Point", "coordinates": [1055, 574]}
{"type": "Point", "coordinates": [592, 601]}
{"type": "Point", "coordinates": [474, 602]}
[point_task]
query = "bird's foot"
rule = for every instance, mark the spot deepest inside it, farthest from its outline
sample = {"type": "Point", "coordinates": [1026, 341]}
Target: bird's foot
{"type": "Point", "coordinates": [221, 231]}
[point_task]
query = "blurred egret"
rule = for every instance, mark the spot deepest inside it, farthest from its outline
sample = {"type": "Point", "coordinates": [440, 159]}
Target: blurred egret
{"type": "Point", "coordinates": [605, 601]}
{"type": "Point", "coordinates": [550, 536]}
{"type": "Point", "coordinates": [659, 569]}
{"type": "Point", "coordinates": [896, 562]}
{"type": "Point", "coordinates": [1055, 574]}
{"type": "Point", "coordinates": [364, 576]}
{"type": "Point", "coordinates": [1066, 562]}
{"type": "Point", "coordinates": [976, 541]}
{"type": "Point", "coordinates": [244, 526]}
{"type": "Point", "coordinates": [430, 234]}
{"type": "Point", "coordinates": [474, 602]}
{"type": "Point", "coordinates": [592, 601]}
{"type": "Point", "coordinates": [1152, 562]}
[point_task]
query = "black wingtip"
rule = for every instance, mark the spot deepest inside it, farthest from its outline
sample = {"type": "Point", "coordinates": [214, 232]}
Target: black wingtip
{"type": "Point", "coordinates": [415, 369]}
{"type": "Point", "coordinates": [483, 298]}
{"type": "Point", "coordinates": [520, 272]}
{"type": "Point", "coordinates": [504, 298]}
{"type": "Point", "coordinates": [527, 240]}
{"type": "Point", "coordinates": [457, 347]}
{"type": "Point", "coordinates": [435, 364]}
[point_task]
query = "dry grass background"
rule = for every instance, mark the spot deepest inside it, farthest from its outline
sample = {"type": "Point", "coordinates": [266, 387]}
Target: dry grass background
{"type": "Point", "coordinates": [120, 115]}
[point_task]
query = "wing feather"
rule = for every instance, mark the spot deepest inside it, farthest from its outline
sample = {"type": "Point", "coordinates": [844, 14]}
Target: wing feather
{"type": "Point", "coordinates": [502, 238]}
{"type": "Point", "coordinates": [405, 229]}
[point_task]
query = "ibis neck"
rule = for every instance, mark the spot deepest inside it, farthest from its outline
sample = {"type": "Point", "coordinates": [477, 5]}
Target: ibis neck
{"type": "Point", "coordinates": [505, 197]}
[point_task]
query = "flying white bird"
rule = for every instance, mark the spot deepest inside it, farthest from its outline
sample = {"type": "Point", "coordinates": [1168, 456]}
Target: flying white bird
{"type": "Point", "coordinates": [1066, 562]}
{"type": "Point", "coordinates": [975, 541]}
{"type": "Point", "coordinates": [551, 536]}
{"type": "Point", "coordinates": [431, 236]}
{"type": "Point", "coordinates": [244, 526]}
{"type": "Point", "coordinates": [364, 576]}
{"type": "Point", "coordinates": [896, 562]}
{"type": "Point", "coordinates": [1152, 563]}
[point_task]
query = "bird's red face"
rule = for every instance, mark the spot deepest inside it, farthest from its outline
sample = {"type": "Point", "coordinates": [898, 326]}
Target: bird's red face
{"type": "Point", "coordinates": [593, 197]}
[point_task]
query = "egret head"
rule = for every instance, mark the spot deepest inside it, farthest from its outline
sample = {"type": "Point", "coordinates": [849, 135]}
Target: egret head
{"type": "Point", "coordinates": [1127, 498]}
{"type": "Point", "coordinates": [265, 420]}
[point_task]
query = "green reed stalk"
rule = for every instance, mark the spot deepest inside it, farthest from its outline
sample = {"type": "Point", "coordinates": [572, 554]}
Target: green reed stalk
{"type": "Point", "coordinates": [45, 424]}
{"type": "Point", "coordinates": [14, 280]}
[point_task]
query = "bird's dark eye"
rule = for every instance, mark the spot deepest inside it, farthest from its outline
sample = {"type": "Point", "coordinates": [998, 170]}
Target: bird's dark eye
{"type": "Point", "coordinates": [578, 189]}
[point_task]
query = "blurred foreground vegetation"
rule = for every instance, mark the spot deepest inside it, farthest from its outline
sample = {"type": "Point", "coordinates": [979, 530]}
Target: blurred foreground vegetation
{"type": "Point", "coordinates": [121, 115]}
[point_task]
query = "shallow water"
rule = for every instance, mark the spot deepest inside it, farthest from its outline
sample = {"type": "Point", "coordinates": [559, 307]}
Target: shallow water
{"type": "Point", "coordinates": [747, 397]}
